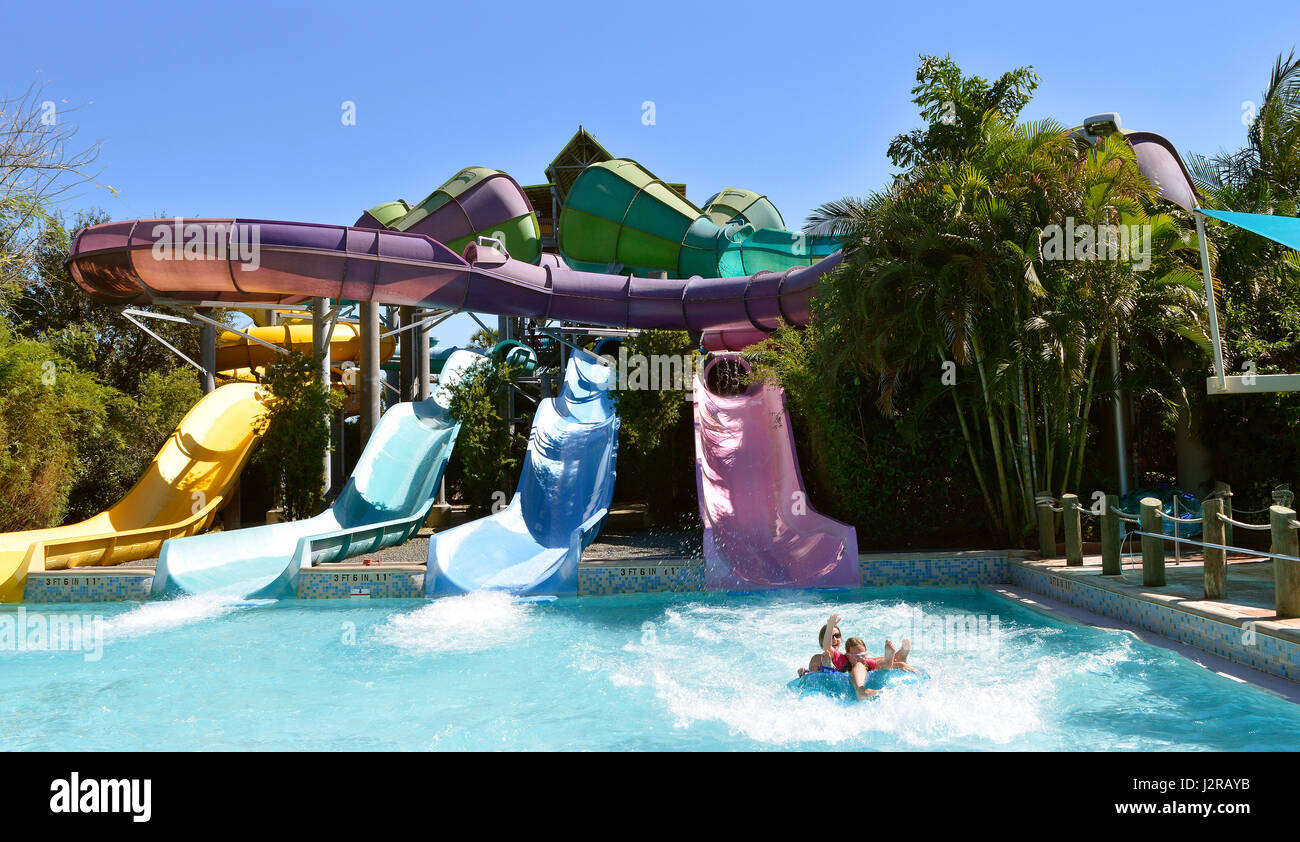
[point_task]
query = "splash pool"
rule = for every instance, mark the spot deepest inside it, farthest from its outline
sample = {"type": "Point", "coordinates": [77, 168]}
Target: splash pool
{"type": "Point", "coordinates": [651, 673]}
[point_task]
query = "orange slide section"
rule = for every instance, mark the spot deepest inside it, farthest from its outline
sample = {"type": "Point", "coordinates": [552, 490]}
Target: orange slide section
{"type": "Point", "coordinates": [180, 493]}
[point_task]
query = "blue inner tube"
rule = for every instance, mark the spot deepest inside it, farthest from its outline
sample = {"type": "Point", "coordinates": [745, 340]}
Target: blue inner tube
{"type": "Point", "coordinates": [840, 685]}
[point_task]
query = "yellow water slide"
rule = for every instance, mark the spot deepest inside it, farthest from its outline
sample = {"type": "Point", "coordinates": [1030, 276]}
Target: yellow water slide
{"type": "Point", "coordinates": [186, 484]}
{"type": "Point", "coordinates": [238, 356]}
{"type": "Point", "coordinates": [239, 352]}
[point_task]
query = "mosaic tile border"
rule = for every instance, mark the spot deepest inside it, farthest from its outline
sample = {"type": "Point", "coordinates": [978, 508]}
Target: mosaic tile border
{"type": "Point", "coordinates": [328, 581]}
{"type": "Point", "coordinates": [937, 570]}
{"type": "Point", "coordinates": [56, 586]}
{"type": "Point", "coordinates": [1268, 653]}
{"type": "Point", "coordinates": [610, 579]}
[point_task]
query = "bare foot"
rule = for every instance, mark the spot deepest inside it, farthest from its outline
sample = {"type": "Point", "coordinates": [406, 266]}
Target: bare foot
{"type": "Point", "coordinates": [888, 661]}
{"type": "Point", "coordinates": [901, 657]}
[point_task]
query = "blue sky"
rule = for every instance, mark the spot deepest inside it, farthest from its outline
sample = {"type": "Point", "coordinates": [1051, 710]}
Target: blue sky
{"type": "Point", "coordinates": [234, 109]}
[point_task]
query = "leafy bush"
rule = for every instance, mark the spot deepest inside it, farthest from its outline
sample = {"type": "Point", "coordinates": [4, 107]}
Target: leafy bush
{"type": "Point", "coordinates": [656, 449]}
{"type": "Point", "coordinates": [487, 456]}
{"type": "Point", "coordinates": [901, 481]}
{"type": "Point", "coordinates": [296, 431]}
{"type": "Point", "coordinates": [49, 411]}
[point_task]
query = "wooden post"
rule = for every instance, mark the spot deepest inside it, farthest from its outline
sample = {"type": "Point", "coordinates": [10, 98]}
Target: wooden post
{"type": "Point", "coordinates": [1153, 549]}
{"type": "Point", "coordinates": [1111, 537]}
{"type": "Point", "coordinates": [1223, 490]}
{"type": "Point", "coordinates": [1286, 574]}
{"type": "Point", "coordinates": [1046, 530]}
{"type": "Point", "coordinates": [1216, 561]}
{"type": "Point", "coordinates": [1073, 534]}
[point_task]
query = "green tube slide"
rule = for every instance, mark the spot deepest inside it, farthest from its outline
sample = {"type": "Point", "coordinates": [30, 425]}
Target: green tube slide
{"type": "Point", "coordinates": [618, 213]}
{"type": "Point", "coordinates": [476, 202]}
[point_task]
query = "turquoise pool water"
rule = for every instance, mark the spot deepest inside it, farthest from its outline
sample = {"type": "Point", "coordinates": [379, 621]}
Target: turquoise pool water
{"type": "Point", "coordinates": [653, 672]}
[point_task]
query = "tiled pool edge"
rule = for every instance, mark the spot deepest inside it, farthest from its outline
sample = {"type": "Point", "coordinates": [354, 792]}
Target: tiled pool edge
{"type": "Point", "coordinates": [612, 578]}
{"type": "Point", "coordinates": [1268, 653]}
{"type": "Point", "coordinates": [936, 569]}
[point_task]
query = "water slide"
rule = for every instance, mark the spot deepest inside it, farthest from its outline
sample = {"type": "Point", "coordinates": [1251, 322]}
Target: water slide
{"type": "Point", "coordinates": [238, 355]}
{"type": "Point", "coordinates": [141, 261]}
{"type": "Point", "coordinates": [235, 352]}
{"type": "Point", "coordinates": [180, 493]}
{"type": "Point", "coordinates": [533, 546]}
{"type": "Point", "coordinates": [618, 214]}
{"type": "Point", "coordinates": [760, 531]}
{"type": "Point", "coordinates": [384, 503]}
{"type": "Point", "coordinates": [117, 263]}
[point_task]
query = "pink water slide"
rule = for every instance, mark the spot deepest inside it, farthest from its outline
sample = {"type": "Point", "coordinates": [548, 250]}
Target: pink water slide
{"type": "Point", "coordinates": [760, 530]}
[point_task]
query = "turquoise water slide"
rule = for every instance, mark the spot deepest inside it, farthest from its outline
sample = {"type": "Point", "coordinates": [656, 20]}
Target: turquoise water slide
{"type": "Point", "coordinates": [384, 503]}
{"type": "Point", "coordinates": [533, 546]}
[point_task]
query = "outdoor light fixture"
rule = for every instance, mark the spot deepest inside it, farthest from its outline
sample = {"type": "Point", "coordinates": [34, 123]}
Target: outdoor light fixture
{"type": "Point", "coordinates": [1101, 125]}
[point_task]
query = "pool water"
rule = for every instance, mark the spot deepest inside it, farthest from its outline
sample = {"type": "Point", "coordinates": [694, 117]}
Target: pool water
{"type": "Point", "coordinates": [667, 672]}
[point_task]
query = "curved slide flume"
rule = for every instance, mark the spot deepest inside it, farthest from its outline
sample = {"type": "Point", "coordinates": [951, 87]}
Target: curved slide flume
{"type": "Point", "coordinates": [140, 261]}
{"type": "Point", "coordinates": [533, 546]}
{"type": "Point", "coordinates": [760, 531]}
{"type": "Point", "coordinates": [180, 494]}
{"type": "Point", "coordinates": [384, 503]}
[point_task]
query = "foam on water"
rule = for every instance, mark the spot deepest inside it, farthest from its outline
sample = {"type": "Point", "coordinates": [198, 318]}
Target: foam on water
{"type": "Point", "coordinates": [474, 622]}
{"type": "Point", "coordinates": [164, 615]}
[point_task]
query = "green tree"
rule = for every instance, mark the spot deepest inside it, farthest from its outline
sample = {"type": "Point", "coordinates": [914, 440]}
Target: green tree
{"type": "Point", "coordinates": [652, 438]}
{"type": "Point", "coordinates": [296, 432]}
{"type": "Point", "coordinates": [487, 455]}
{"type": "Point", "coordinates": [947, 284]}
{"type": "Point", "coordinates": [48, 410]}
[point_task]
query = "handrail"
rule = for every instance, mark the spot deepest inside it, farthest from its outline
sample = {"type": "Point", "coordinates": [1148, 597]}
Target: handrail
{"type": "Point", "coordinates": [1258, 527]}
{"type": "Point", "coordinates": [1180, 519]}
{"type": "Point", "coordinates": [1244, 550]}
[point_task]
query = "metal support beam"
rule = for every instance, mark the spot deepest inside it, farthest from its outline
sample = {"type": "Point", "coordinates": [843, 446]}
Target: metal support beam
{"type": "Point", "coordinates": [1121, 434]}
{"type": "Point", "coordinates": [421, 346]}
{"type": "Point", "coordinates": [1252, 384]}
{"type": "Point", "coordinates": [322, 329]}
{"type": "Point", "coordinates": [1210, 303]}
{"type": "Point", "coordinates": [369, 385]}
{"type": "Point", "coordinates": [208, 357]}
{"type": "Point", "coordinates": [406, 317]}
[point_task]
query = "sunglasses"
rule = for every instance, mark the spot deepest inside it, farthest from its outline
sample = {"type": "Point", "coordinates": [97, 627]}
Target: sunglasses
{"type": "Point", "coordinates": [835, 637]}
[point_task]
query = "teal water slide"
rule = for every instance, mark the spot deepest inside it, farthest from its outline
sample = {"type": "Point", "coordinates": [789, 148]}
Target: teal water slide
{"type": "Point", "coordinates": [534, 544]}
{"type": "Point", "coordinates": [384, 503]}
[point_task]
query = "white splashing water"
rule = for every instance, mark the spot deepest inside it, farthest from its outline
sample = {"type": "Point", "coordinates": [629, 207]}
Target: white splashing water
{"type": "Point", "coordinates": [729, 665]}
{"type": "Point", "coordinates": [164, 615]}
{"type": "Point", "coordinates": [474, 622]}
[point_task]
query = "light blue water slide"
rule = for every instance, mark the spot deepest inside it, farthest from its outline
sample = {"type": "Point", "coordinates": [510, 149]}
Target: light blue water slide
{"type": "Point", "coordinates": [533, 546]}
{"type": "Point", "coordinates": [383, 504]}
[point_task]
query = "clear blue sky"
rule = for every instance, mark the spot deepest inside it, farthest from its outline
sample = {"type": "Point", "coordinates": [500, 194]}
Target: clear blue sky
{"type": "Point", "coordinates": [234, 109]}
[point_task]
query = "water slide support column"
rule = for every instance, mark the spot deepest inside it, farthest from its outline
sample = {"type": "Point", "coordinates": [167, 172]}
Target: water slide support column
{"type": "Point", "coordinates": [321, 355]}
{"type": "Point", "coordinates": [208, 356]}
{"type": "Point", "coordinates": [410, 345]}
{"type": "Point", "coordinates": [421, 360]}
{"type": "Point", "coordinates": [369, 369]}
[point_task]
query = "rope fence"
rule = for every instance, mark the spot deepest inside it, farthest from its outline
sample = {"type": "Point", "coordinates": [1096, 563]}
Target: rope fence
{"type": "Point", "coordinates": [1216, 521]}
